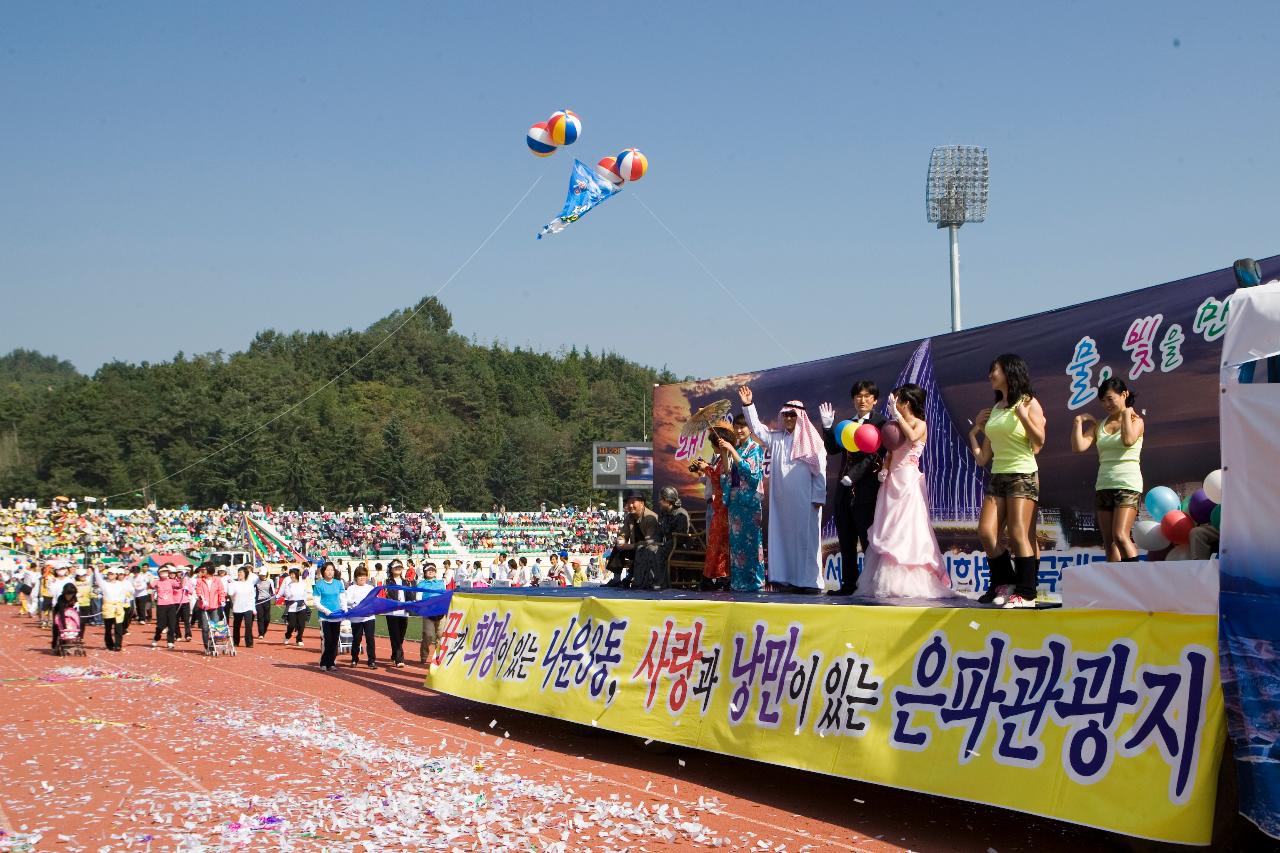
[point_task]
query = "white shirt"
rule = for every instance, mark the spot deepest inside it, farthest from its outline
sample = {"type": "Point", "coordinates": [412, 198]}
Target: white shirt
{"type": "Point", "coordinates": [295, 595]}
{"type": "Point", "coordinates": [116, 592]}
{"type": "Point", "coordinates": [355, 594]}
{"type": "Point", "coordinates": [243, 595]}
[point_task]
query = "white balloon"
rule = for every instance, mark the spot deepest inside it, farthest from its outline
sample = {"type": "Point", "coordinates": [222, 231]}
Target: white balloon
{"type": "Point", "coordinates": [1181, 552]}
{"type": "Point", "coordinates": [1213, 486]}
{"type": "Point", "coordinates": [1147, 535]}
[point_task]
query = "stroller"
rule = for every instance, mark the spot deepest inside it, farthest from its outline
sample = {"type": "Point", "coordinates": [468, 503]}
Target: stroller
{"type": "Point", "coordinates": [344, 637]}
{"type": "Point", "coordinates": [220, 640]}
{"type": "Point", "coordinates": [68, 639]}
{"type": "Point", "coordinates": [69, 643]}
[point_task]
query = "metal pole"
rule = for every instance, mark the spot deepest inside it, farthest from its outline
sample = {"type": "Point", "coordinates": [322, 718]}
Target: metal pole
{"type": "Point", "coordinates": [954, 232]}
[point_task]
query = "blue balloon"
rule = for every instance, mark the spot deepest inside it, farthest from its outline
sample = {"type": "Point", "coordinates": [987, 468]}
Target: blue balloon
{"type": "Point", "coordinates": [840, 425]}
{"type": "Point", "coordinates": [1162, 500]}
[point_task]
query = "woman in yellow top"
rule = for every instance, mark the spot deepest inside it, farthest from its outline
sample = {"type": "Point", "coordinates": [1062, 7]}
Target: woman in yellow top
{"type": "Point", "coordinates": [1012, 433]}
{"type": "Point", "coordinates": [1119, 488]}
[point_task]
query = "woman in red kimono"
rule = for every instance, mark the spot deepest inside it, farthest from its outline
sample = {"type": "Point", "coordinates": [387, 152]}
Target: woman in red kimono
{"type": "Point", "coordinates": [715, 570]}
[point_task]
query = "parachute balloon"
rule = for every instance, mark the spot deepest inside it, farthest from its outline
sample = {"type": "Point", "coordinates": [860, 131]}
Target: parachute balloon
{"type": "Point", "coordinates": [632, 165]}
{"type": "Point", "coordinates": [607, 168]}
{"type": "Point", "coordinates": [565, 127]}
{"type": "Point", "coordinates": [539, 140]}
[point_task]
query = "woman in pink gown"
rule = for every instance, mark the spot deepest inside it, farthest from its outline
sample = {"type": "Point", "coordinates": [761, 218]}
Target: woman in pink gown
{"type": "Point", "coordinates": [903, 559]}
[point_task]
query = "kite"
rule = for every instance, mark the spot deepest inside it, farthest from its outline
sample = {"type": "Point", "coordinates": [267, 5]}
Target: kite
{"type": "Point", "coordinates": [587, 188]}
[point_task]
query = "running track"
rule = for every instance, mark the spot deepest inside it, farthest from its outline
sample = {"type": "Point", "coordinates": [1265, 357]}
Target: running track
{"type": "Point", "coordinates": [195, 758]}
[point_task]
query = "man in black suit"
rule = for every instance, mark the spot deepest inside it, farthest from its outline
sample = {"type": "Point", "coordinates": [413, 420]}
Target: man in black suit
{"type": "Point", "coordinates": [856, 494]}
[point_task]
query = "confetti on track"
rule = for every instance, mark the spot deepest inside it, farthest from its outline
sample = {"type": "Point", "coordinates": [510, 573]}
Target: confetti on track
{"type": "Point", "coordinates": [151, 750]}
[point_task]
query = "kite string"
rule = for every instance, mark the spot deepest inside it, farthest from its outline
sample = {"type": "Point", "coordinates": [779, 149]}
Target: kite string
{"type": "Point", "coordinates": [714, 278]}
{"type": "Point", "coordinates": [389, 335]}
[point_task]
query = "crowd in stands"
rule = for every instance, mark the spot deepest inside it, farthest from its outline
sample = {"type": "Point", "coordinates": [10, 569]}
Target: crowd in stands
{"type": "Point", "coordinates": [62, 529]}
{"type": "Point", "coordinates": [580, 531]}
{"type": "Point", "coordinates": [359, 533]}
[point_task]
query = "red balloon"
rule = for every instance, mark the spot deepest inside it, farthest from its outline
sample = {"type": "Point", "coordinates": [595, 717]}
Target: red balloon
{"type": "Point", "coordinates": [867, 438]}
{"type": "Point", "coordinates": [1177, 526]}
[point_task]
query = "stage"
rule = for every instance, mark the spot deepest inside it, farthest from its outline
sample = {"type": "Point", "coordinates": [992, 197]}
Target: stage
{"type": "Point", "coordinates": [1106, 711]}
{"type": "Point", "coordinates": [616, 593]}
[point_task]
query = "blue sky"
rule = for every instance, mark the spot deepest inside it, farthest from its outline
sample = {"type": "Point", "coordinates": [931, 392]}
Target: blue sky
{"type": "Point", "coordinates": [181, 176]}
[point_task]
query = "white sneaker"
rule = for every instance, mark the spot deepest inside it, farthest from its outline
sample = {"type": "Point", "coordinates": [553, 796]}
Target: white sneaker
{"type": "Point", "coordinates": [299, 642]}
{"type": "Point", "coordinates": [168, 645]}
{"type": "Point", "coordinates": [1003, 592]}
{"type": "Point", "coordinates": [1017, 602]}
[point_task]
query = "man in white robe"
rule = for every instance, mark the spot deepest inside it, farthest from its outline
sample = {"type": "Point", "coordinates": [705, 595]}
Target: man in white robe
{"type": "Point", "coordinates": [797, 492]}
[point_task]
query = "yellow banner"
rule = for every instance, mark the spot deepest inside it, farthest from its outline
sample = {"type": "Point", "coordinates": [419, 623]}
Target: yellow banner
{"type": "Point", "coordinates": [1111, 719]}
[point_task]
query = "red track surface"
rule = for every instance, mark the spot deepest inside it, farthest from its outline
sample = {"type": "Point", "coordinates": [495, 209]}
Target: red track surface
{"type": "Point", "coordinates": [209, 746]}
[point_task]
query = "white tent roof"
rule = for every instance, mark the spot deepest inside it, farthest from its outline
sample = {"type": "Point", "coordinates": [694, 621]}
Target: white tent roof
{"type": "Point", "coordinates": [1251, 325]}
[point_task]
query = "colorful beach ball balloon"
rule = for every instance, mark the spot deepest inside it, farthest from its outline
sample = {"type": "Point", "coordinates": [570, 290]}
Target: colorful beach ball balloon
{"type": "Point", "coordinates": [539, 140]}
{"type": "Point", "coordinates": [607, 168]}
{"type": "Point", "coordinates": [565, 127]}
{"type": "Point", "coordinates": [844, 434]}
{"type": "Point", "coordinates": [632, 165]}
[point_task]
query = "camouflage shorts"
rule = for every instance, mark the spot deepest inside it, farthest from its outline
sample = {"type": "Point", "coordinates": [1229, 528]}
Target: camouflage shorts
{"type": "Point", "coordinates": [1110, 500]}
{"type": "Point", "coordinates": [1014, 486]}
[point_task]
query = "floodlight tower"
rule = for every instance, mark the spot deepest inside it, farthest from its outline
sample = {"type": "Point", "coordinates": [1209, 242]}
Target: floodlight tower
{"type": "Point", "coordinates": [956, 193]}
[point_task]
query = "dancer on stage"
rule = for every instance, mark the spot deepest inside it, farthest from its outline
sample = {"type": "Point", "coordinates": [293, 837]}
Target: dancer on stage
{"type": "Point", "coordinates": [797, 491]}
{"type": "Point", "coordinates": [855, 500]}
{"type": "Point", "coordinates": [1119, 487]}
{"type": "Point", "coordinates": [743, 471]}
{"type": "Point", "coordinates": [903, 559]}
{"type": "Point", "coordinates": [1012, 434]}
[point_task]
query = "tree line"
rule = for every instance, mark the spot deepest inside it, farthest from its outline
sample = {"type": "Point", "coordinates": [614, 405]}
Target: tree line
{"type": "Point", "coordinates": [429, 417]}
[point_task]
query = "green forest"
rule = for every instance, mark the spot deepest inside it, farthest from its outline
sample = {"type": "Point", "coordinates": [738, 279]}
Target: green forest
{"type": "Point", "coordinates": [427, 417]}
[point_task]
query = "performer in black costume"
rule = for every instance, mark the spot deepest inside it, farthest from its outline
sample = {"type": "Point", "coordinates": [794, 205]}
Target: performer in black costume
{"type": "Point", "coordinates": [858, 485]}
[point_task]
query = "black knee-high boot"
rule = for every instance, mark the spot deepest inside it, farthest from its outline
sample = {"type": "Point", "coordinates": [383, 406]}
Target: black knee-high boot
{"type": "Point", "coordinates": [1000, 574]}
{"type": "Point", "coordinates": [1028, 571]}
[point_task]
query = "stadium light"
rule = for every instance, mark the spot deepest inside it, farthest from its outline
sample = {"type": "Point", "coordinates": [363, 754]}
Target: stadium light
{"type": "Point", "coordinates": [956, 193]}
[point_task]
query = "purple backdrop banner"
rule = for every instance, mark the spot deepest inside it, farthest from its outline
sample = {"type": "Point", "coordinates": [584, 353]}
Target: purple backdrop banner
{"type": "Point", "coordinates": [1164, 341]}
